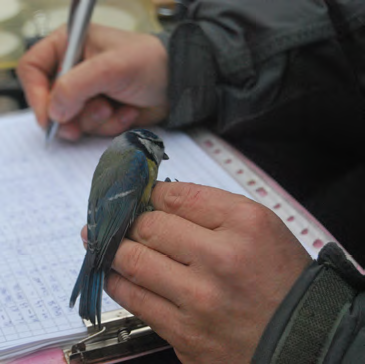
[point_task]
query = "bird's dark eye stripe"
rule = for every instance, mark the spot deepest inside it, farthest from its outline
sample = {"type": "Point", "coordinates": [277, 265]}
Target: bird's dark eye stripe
{"type": "Point", "coordinates": [158, 142]}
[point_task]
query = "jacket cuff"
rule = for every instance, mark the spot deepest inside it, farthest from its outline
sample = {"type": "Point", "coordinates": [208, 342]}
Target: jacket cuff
{"type": "Point", "coordinates": [306, 321]}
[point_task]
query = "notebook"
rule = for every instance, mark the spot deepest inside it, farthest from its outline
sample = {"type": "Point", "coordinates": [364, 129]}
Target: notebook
{"type": "Point", "coordinates": [43, 199]}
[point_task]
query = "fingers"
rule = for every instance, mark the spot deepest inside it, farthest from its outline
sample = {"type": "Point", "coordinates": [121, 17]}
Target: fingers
{"type": "Point", "coordinates": [147, 268]}
{"type": "Point", "coordinates": [116, 118]}
{"type": "Point", "coordinates": [86, 80]}
{"type": "Point", "coordinates": [151, 116]}
{"type": "Point", "coordinates": [95, 113]}
{"type": "Point", "coordinates": [70, 131]}
{"type": "Point", "coordinates": [105, 118]}
{"type": "Point", "coordinates": [178, 238]}
{"type": "Point", "coordinates": [99, 117]}
{"type": "Point", "coordinates": [84, 235]}
{"type": "Point", "coordinates": [121, 120]}
{"type": "Point", "coordinates": [36, 70]}
{"type": "Point", "coordinates": [153, 309]}
{"type": "Point", "coordinates": [202, 205]}
{"type": "Point", "coordinates": [102, 74]}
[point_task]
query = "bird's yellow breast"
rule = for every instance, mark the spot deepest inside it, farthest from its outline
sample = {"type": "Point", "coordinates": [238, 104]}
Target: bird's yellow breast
{"type": "Point", "coordinates": [152, 172]}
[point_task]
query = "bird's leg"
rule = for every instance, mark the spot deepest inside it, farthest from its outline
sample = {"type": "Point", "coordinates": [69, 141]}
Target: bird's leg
{"type": "Point", "coordinates": [149, 208]}
{"type": "Point", "coordinates": [168, 179]}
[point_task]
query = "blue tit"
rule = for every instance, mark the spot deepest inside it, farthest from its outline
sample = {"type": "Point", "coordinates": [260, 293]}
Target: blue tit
{"type": "Point", "coordinates": [121, 188]}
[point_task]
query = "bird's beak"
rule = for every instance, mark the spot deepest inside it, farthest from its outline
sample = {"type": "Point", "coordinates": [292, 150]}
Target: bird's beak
{"type": "Point", "coordinates": [165, 156]}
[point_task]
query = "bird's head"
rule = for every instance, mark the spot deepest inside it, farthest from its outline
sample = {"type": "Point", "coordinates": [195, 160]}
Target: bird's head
{"type": "Point", "coordinates": [151, 144]}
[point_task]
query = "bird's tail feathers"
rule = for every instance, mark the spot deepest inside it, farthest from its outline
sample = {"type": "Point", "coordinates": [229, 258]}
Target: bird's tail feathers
{"type": "Point", "coordinates": [79, 282]}
{"type": "Point", "coordinates": [91, 294]}
{"type": "Point", "coordinates": [89, 283]}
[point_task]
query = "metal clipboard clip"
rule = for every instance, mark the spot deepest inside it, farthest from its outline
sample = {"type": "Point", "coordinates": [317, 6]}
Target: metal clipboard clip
{"type": "Point", "coordinates": [122, 337]}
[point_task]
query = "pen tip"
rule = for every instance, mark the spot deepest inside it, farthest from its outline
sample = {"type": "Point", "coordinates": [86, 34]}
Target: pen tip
{"type": "Point", "coordinates": [47, 140]}
{"type": "Point", "coordinates": [51, 132]}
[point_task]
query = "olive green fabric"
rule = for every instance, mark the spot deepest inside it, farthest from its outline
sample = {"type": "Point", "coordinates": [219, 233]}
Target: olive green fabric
{"type": "Point", "coordinates": [254, 44]}
{"type": "Point", "coordinates": [316, 317]}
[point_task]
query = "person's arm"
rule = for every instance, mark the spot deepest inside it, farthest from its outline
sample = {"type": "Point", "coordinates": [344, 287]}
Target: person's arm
{"type": "Point", "coordinates": [221, 277]}
{"type": "Point", "coordinates": [236, 62]}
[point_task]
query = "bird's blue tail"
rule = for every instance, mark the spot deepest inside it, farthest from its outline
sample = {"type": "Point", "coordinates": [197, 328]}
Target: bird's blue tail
{"type": "Point", "coordinates": [90, 284]}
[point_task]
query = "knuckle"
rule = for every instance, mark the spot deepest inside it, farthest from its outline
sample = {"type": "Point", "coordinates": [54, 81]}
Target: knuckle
{"type": "Point", "coordinates": [184, 194]}
{"type": "Point", "coordinates": [147, 225]}
{"type": "Point", "coordinates": [205, 299]}
{"type": "Point", "coordinates": [137, 300]}
{"type": "Point", "coordinates": [106, 70]}
{"type": "Point", "coordinates": [251, 212]}
{"type": "Point", "coordinates": [188, 341]}
{"type": "Point", "coordinates": [24, 70]}
{"type": "Point", "coordinates": [23, 62]}
{"type": "Point", "coordinates": [241, 209]}
{"type": "Point", "coordinates": [259, 214]}
{"type": "Point", "coordinates": [62, 90]}
{"type": "Point", "coordinates": [113, 286]}
{"type": "Point", "coordinates": [226, 261]}
{"type": "Point", "coordinates": [134, 262]}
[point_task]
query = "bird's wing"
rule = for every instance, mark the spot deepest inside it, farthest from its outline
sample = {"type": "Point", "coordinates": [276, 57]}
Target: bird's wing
{"type": "Point", "coordinates": [112, 210]}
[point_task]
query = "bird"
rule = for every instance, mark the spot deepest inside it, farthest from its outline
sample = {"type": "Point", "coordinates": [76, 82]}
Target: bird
{"type": "Point", "coordinates": [120, 190]}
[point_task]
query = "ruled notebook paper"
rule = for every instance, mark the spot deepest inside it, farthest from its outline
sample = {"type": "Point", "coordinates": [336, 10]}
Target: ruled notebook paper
{"type": "Point", "coordinates": [43, 204]}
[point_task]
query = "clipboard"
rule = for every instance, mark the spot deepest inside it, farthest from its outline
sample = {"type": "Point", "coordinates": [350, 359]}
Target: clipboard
{"type": "Point", "coordinates": [122, 337]}
{"type": "Point", "coordinates": [126, 337]}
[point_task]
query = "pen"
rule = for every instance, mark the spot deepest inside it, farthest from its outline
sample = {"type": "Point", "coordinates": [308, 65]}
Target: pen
{"type": "Point", "coordinates": [78, 21]}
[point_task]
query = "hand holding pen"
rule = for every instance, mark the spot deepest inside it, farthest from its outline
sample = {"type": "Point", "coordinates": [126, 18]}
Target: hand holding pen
{"type": "Point", "coordinates": [120, 83]}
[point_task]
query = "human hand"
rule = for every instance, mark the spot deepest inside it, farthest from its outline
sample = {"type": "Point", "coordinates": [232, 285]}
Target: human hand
{"type": "Point", "coordinates": [121, 82]}
{"type": "Point", "coordinates": [206, 270]}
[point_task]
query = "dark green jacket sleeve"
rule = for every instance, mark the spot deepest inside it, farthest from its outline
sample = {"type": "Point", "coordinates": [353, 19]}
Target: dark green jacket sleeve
{"type": "Point", "coordinates": [239, 60]}
{"type": "Point", "coordinates": [322, 319]}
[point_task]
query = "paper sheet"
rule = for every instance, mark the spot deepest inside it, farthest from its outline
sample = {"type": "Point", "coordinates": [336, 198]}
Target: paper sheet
{"type": "Point", "coordinates": [43, 203]}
